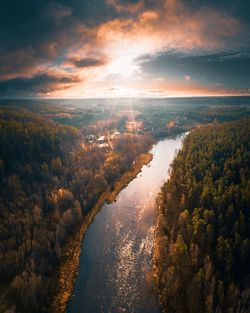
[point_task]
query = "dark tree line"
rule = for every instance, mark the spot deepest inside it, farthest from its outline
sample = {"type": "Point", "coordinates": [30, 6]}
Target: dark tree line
{"type": "Point", "coordinates": [202, 251]}
{"type": "Point", "coordinates": [47, 184]}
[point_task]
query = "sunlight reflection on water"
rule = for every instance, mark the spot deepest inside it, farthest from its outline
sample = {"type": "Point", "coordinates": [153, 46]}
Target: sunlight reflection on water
{"type": "Point", "coordinates": [115, 272]}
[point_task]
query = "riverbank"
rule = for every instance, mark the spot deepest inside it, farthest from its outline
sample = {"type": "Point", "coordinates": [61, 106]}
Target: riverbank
{"type": "Point", "coordinates": [159, 246]}
{"type": "Point", "coordinates": [68, 270]}
{"type": "Point", "coordinates": [159, 243]}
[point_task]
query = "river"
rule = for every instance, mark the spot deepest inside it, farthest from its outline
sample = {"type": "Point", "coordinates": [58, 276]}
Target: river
{"type": "Point", "coordinates": [115, 270]}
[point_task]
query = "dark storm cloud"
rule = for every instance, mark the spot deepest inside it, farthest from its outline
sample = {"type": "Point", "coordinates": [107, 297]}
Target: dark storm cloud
{"type": "Point", "coordinates": [39, 32]}
{"type": "Point", "coordinates": [86, 62]}
{"type": "Point", "coordinates": [32, 33]}
{"type": "Point", "coordinates": [30, 23]}
{"type": "Point", "coordinates": [43, 83]}
{"type": "Point", "coordinates": [239, 8]}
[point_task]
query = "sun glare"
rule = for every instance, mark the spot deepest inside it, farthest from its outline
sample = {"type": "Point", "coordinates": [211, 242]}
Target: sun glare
{"type": "Point", "coordinates": [123, 66]}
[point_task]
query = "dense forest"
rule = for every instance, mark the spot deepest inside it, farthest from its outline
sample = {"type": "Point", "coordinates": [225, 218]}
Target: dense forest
{"type": "Point", "coordinates": [202, 244]}
{"type": "Point", "coordinates": [49, 180]}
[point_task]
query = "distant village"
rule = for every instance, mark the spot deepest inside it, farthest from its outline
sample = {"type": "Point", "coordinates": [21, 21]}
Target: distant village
{"type": "Point", "coordinates": [104, 139]}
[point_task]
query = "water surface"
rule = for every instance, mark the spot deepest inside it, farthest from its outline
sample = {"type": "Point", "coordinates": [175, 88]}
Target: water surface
{"type": "Point", "coordinates": [115, 270]}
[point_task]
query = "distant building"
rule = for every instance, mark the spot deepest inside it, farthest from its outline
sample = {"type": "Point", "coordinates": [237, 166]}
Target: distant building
{"type": "Point", "coordinates": [115, 134]}
{"type": "Point", "coordinates": [90, 138]}
{"type": "Point", "coordinates": [103, 145]}
{"type": "Point", "coordinates": [101, 139]}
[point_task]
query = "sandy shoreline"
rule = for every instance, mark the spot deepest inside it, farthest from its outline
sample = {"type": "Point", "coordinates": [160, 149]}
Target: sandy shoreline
{"type": "Point", "coordinates": [68, 270]}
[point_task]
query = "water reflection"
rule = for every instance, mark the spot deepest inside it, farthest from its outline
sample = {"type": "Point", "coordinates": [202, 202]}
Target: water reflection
{"type": "Point", "coordinates": [115, 265]}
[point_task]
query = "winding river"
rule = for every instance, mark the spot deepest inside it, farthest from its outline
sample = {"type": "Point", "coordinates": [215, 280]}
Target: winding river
{"type": "Point", "coordinates": [115, 270]}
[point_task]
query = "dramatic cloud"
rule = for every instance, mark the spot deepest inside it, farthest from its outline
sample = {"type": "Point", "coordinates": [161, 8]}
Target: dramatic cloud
{"type": "Point", "coordinates": [98, 48]}
{"type": "Point", "coordinates": [42, 84]}
{"type": "Point", "coordinates": [170, 27]}
{"type": "Point", "coordinates": [86, 62]}
{"type": "Point", "coordinates": [127, 6]}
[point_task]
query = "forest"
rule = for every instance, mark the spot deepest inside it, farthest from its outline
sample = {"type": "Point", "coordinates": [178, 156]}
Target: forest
{"type": "Point", "coordinates": [161, 117]}
{"type": "Point", "coordinates": [48, 182]}
{"type": "Point", "coordinates": [202, 239]}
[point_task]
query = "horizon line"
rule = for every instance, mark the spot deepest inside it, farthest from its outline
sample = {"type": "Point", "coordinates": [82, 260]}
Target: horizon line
{"type": "Point", "coordinates": [135, 97]}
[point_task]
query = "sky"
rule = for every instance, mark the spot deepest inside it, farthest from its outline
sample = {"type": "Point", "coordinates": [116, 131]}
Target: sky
{"type": "Point", "coordinates": [124, 48]}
